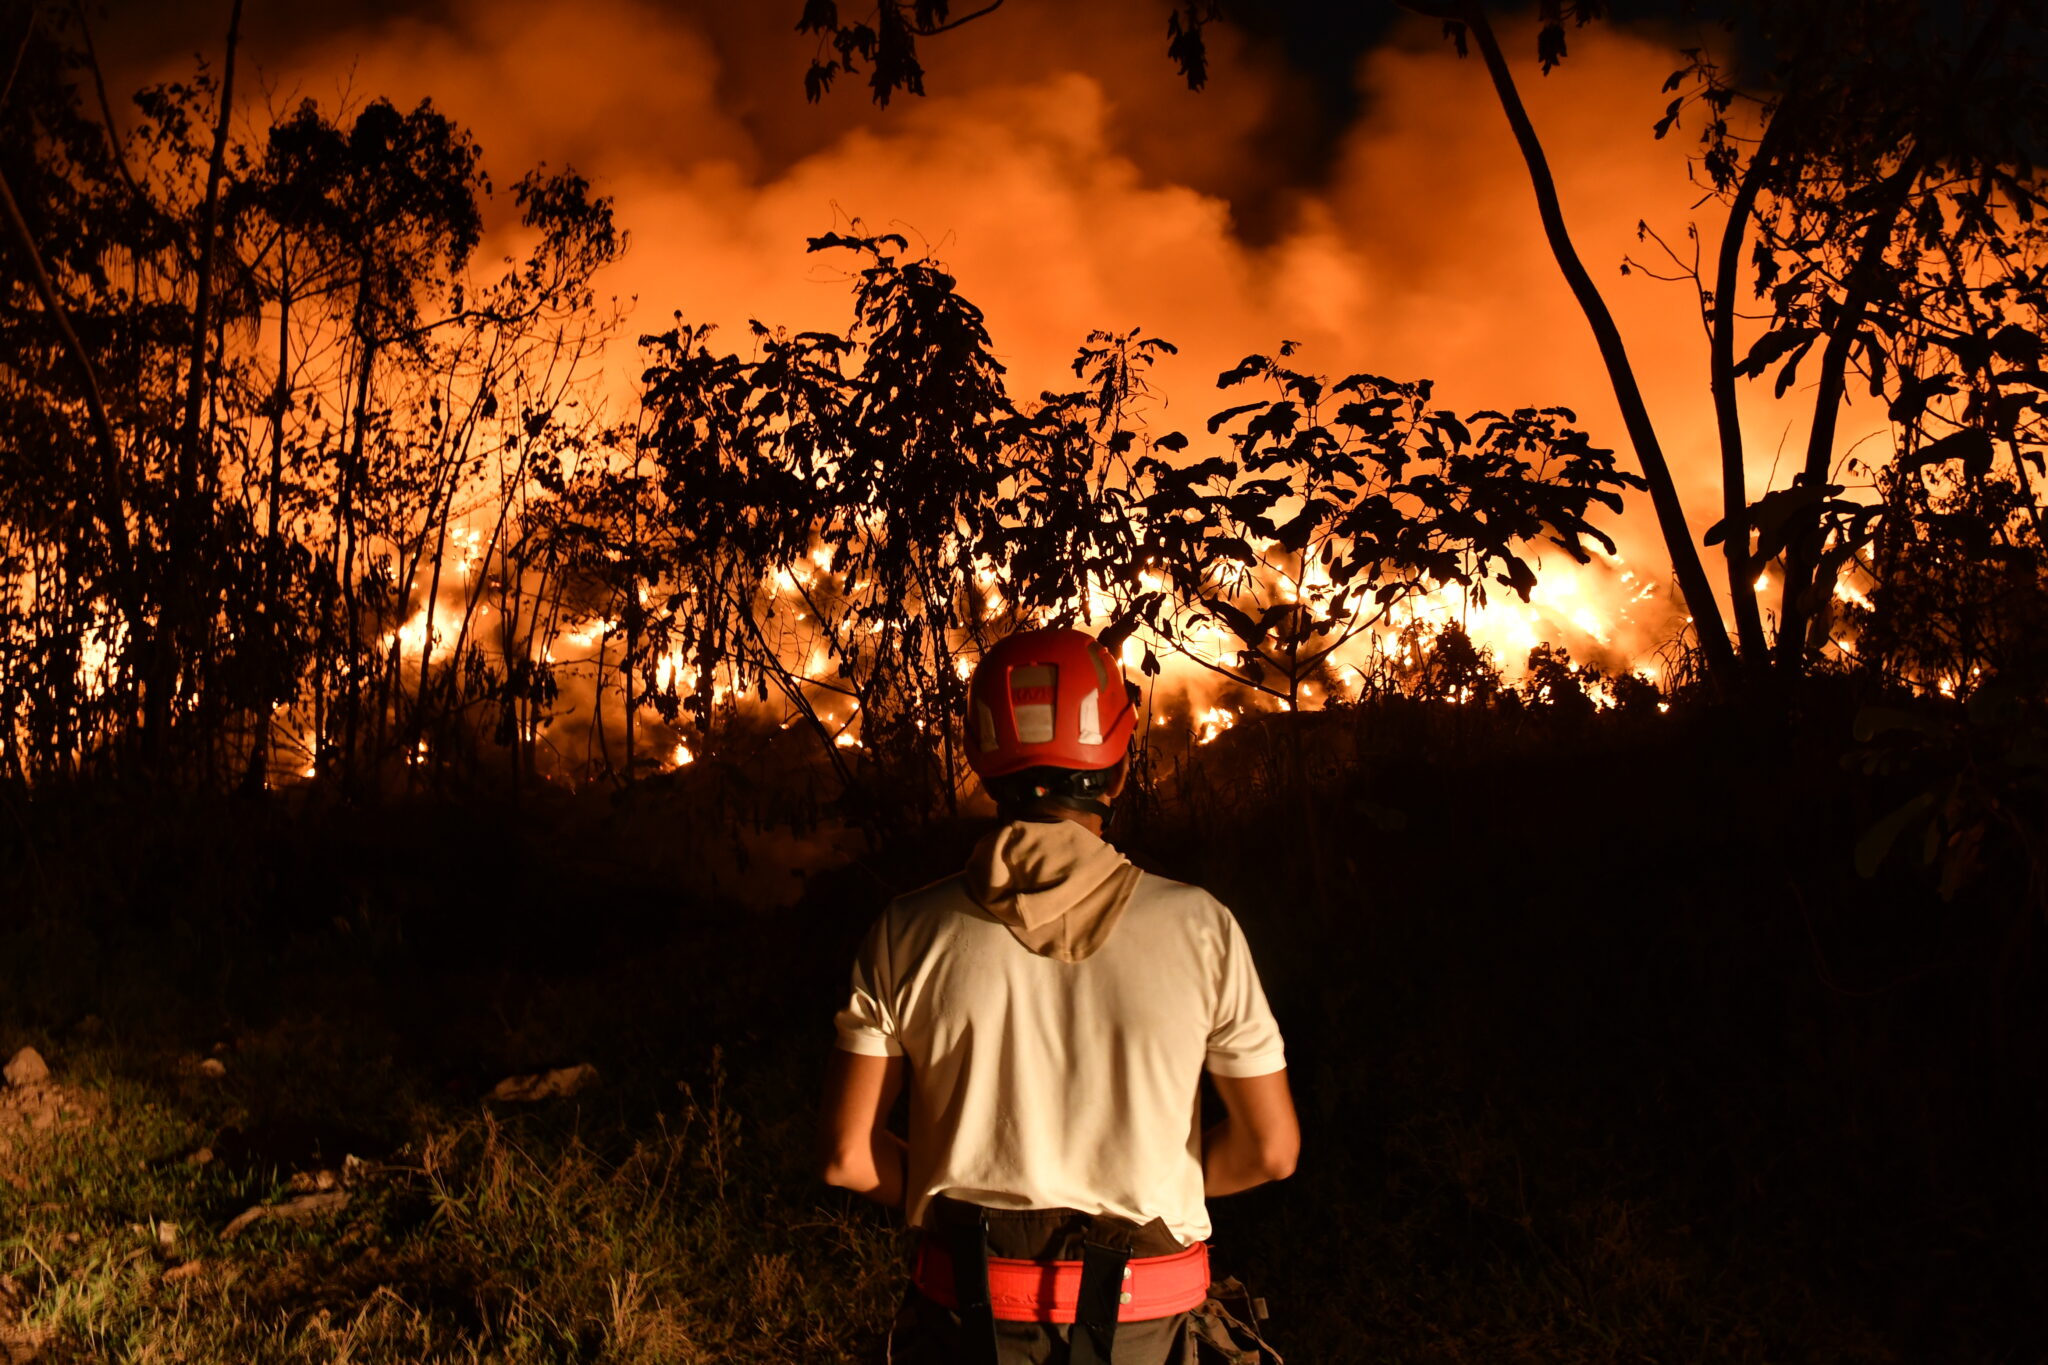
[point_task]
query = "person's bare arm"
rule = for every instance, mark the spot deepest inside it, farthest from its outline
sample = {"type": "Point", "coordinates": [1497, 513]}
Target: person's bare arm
{"type": "Point", "coordinates": [857, 1152]}
{"type": "Point", "coordinates": [1259, 1138]}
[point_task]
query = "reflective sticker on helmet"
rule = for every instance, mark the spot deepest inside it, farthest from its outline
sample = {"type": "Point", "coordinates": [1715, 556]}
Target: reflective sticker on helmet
{"type": "Point", "coordinates": [985, 728]}
{"type": "Point", "coordinates": [1031, 702]}
{"type": "Point", "coordinates": [1091, 718]}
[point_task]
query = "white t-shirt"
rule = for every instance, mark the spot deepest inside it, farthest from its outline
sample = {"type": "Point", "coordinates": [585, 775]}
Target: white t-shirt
{"type": "Point", "coordinates": [1036, 1083]}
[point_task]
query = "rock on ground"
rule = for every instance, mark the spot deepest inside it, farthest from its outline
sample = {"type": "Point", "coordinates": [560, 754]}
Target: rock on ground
{"type": "Point", "coordinates": [26, 1068]}
{"type": "Point", "coordinates": [19, 1345]}
{"type": "Point", "coordinates": [546, 1085]}
{"type": "Point", "coordinates": [23, 1345]}
{"type": "Point", "coordinates": [306, 1206]}
{"type": "Point", "coordinates": [30, 1108]}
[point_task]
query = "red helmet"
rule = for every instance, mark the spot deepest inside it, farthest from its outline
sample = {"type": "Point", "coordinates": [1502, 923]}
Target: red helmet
{"type": "Point", "coordinates": [1047, 699]}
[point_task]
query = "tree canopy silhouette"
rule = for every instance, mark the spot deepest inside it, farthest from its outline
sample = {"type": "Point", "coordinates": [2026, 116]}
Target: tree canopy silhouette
{"type": "Point", "coordinates": [1884, 157]}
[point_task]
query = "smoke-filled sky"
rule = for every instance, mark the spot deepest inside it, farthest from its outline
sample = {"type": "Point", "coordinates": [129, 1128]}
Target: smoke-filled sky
{"type": "Point", "coordinates": [1349, 185]}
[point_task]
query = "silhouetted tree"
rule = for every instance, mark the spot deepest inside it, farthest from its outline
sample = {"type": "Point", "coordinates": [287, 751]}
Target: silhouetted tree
{"type": "Point", "coordinates": [268, 387]}
{"type": "Point", "coordinates": [844, 519]}
{"type": "Point", "coordinates": [1894, 213]}
{"type": "Point", "coordinates": [1345, 501]}
{"type": "Point", "coordinates": [1892, 183]}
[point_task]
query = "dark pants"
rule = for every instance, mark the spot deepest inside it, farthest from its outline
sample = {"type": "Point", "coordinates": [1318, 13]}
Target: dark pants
{"type": "Point", "coordinates": [927, 1333]}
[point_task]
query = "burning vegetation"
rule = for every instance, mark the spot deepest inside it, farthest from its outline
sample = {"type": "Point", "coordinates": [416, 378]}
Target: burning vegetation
{"type": "Point", "coordinates": [323, 497]}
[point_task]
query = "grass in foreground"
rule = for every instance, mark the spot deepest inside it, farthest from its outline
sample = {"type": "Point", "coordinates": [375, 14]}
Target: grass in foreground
{"type": "Point", "coordinates": [510, 1237]}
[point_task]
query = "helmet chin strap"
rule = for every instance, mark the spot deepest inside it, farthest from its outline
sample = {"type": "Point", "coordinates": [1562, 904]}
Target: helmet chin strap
{"type": "Point", "coordinates": [1087, 805]}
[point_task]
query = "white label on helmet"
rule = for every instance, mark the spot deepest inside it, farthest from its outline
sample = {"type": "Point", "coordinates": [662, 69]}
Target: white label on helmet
{"type": "Point", "coordinates": [1091, 718]}
{"type": "Point", "coordinates": [1031, 702]}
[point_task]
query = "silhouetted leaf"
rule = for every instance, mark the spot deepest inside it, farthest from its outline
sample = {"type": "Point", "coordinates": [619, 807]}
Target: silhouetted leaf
{"type": "Point", "coordinates": [1915, 392]}
{"type": "Point", "coordinates": [1772, 345]}
{"type": "Point", "coordinates": [1876, 843]}
{"type": "Point", "coordinates": [1216, 422]}
{"type": "Point", "coordinates": [1244, 369]}
{"type": "Point", "coordinates": [1971, 445]}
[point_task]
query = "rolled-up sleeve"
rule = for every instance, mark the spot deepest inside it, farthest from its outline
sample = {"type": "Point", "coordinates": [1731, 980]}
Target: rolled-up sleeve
{"type": "Point", "coordinates": [867, 1023]}
{"type": "Point", "coordinates": [1244, 1038]}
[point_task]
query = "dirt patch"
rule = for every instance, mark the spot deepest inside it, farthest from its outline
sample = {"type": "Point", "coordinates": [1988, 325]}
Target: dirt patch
{"type": "Point", "coordinates": [29, 1115]}
{"type": "Point", "coordinates": [23, 1345]}
{"type": "Point", "coordinates": [19, 1344]}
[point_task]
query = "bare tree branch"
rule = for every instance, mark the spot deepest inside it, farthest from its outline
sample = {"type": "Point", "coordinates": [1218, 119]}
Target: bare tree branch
{"type": "Point", "coordinates": [952, 24]}
{"type": "Point", "coordinates": [99, 85]}
{"type": "Point", "coordinates": [112, 507]}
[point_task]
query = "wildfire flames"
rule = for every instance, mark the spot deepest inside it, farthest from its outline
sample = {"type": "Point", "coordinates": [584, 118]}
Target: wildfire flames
{"type": "Point", "coordinates": [1072, 183]}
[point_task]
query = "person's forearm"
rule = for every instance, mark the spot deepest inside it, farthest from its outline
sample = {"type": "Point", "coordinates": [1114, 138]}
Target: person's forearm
{"type": "Point", "coordinates": [891, 1156]}
{"type": "Point", "coordinates": [875, 1173]}
{"type": "Point", "coordinates": [1232, 1160]}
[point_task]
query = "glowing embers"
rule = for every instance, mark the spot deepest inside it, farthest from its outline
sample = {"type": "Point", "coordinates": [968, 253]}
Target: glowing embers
{"type": "Point", "coordinates": [469, 541]}
{"type": "Point", "coordinates": [673, 673]}
{"type": "Point", "coordinates": [412, 637]}
{"type": "Point", "coordinates": [1560, 594]}
{"type": "Point", "coordinates": [1213, 721]}
{"type": "Point", "coordinates": [988, 588]}
{"type": "Point", "coordinates": [588, 633]}
{"type": "Point", "coordinates": [99, 650]}
{"type": "Point", "coordinates": [670, 671]}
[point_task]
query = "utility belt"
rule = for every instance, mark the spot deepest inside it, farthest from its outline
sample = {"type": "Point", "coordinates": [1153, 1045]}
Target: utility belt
{"type": "Point", "coordinates": [1090, 1271]}
{"type": "Point", "coordinates": [1127, 1288]}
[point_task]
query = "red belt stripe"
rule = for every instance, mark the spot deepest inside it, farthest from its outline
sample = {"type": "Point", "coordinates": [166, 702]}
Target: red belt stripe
{"type": "Point", "coordinates": [1045, 1291]}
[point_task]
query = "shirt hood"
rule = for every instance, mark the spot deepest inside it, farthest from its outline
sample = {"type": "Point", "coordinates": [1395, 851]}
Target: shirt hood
{"type": "Point", "coordinates": [1054, 884]}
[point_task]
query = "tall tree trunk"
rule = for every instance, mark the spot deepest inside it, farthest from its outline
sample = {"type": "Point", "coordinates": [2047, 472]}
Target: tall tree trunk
{"type": "Point", "coordinates": [207, 258]}
{"type": "Point", "coordinates": [509, 482]}
{"type": "Point", "coordinates": [120, 156]}
{"type": "Point", "coordinates": [1803, 551]}
{"type": "Point", "coordinates": [1671, 519]}
{"type": "Point", "coordinates": [273, 496]}
{"type": "Point", "coordinates": [632, 660]}
{"type": "Point", "coordinates": [187, 534]}
{"type": "Point", "coordinates": [105, 488]}
{"type": "Point", "coordinates": [1798, 605]}
{"type": "Point", "coordinates": [440, 512]}
{"type": "Point", "coordinates": [1749, 625]}
{"type": "Point", "coordinates": [345, 533]}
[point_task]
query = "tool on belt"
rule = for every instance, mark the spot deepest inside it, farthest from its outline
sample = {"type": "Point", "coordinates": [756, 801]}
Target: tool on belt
{"type": "Point", "coordinates": [1106, 1285]}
